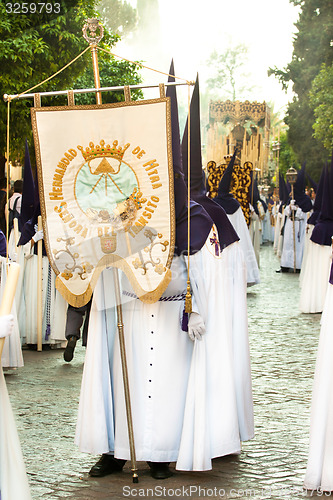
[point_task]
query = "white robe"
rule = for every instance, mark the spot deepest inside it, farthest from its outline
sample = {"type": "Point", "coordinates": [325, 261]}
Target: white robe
{"type": "Point", "coordinates": [277, 229]}
{"type": "Point", "coordinates": [308, 233]}
{"type": "Point", "coordinates": [281, 233]}
{"type": "Point", "coordinates": [319, 472]}
{"type": "Point", "coordinates": [266, 228]}
{"type": "Point", "coordinates": [287, 256]}
{"type": "Point", "coordinates": [54, 307]}
{"type": "Point", "coordinates": [13, 479]}
{"type": "Point", "coordinates": [315, 275]}
{"type": "Point", "coordinates": [190, 401]}
{"type": "Point", "coordinates": [12, 352]}
{"type": "Point", "coordinates": [255, 234]}
{"type": "Point", "coordinates": [238, 221]}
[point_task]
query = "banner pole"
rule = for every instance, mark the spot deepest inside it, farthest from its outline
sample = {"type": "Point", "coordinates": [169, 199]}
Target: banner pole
{"type": "Point", "coordinates": [39, 289]}
{"type": "Point", "coordinates": [92, 25]}
{"type": "Point", "coordinates": [294, 235]}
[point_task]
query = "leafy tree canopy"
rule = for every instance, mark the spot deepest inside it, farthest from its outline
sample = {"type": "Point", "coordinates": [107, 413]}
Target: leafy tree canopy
{"type": "Point", "coordinates": [119, 16]}
{"type": "Point", "coordinates": [35, 46]}
{"type": "Point", "coordinates": [321, 101]}
{"type": "Point", "coordinates": [312, 48]}
{"type": "Point", "coordinates": [229, 74]}
{"type": "Point", "coordinates": [287, 157]}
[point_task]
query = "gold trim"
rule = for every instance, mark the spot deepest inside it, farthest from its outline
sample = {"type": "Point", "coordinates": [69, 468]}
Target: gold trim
{"type": "Point", "coordinates": [108, 261]}
{"type": "Point", "coordinates": [162, 90]}
{"type": "Point", "coordinates": [119, 104]}
{"type": "Point", "coordinates": [127, 93]}
{"type": "Point", "coordinates": [70, 98]}
{"type": "Point", "coordinates": [37, 100]}
{"type": "Point", "coordinates": [171, 184]}
{"type": "Point", "coordinates": [148, 297]}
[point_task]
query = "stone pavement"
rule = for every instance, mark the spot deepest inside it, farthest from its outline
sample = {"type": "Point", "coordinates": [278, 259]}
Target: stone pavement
{"type": "Point", "coordinates": [45, 393]}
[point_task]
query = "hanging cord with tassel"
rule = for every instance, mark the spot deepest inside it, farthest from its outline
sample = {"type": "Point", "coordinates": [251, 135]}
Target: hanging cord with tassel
{"type": "Point", "coordinates": [188, 297]}
{"type": "Point", "coordinates": [146, 67]}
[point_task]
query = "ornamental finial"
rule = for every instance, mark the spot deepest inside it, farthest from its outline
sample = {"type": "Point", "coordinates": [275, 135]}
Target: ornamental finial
{"type": "Point", "coordinates": [90, 31]}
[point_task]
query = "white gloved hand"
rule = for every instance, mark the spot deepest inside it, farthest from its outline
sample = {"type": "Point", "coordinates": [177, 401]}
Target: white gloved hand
{"type": "Point", "coordinates": [293, 205]}
{"type": "Point", "coordinates": [38, 236]}
{"type": "Point", "coordinates": [196, 326]}
{"type": "Point", "coordinates": [6, 325]}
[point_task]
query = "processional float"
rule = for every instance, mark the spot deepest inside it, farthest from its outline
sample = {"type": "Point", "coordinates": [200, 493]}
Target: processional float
{"type": "Point", "coordinates": [105, 178]}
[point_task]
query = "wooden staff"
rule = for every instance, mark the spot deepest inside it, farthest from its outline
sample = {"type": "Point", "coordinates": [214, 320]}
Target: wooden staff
{"type": "Point", "coordinates": [39, 289]}
{"type": "Point", "coordinates": [294, 235]}
{"type": "Point", "coordinates": [8, 295]}
{"type": "Point", "coordinates": [93, 25]}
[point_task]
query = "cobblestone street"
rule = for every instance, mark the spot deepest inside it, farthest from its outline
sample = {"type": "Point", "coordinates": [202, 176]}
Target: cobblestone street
{"type": "Point", "coordinates": [45, 393]}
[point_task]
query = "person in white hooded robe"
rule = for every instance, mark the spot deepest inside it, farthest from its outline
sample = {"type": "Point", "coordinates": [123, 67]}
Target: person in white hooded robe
{"type": "Point", "coordinates": [319, 471]}
{"type": "Point", "coordinates": [183, 390]}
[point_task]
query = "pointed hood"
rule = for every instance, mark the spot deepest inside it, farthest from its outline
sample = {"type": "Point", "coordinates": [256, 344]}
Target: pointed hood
{"type": "Point", "coordinates": [312, 183]}
{"type": "Point", "coordinates": [254, 193]}
{"type": "Point", "coordinates": [283, 192]}
{"type": "Point", "coordinates": [224, 197]}
{"type": "Point", "coordinates": [302, 199]}
{"type": "Point", "coordinates": [323, 230]}
{"type": "Point", "coordinates": [319, 197]}
{"type": "Point", "coordinates": [197, 179]}
{"type": "Point", "coordinates": [28, 193]}
{"type": "Point", "coordinates": [201, 223]}
{"type": "Point", "coordinates": [226, 232]}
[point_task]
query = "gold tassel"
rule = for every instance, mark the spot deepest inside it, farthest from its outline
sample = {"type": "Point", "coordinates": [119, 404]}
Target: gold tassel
{"type": "Point", "coordinates": [188, 299]}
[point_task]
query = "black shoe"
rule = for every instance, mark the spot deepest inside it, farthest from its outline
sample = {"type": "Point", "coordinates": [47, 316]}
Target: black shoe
{"type": "Point", "coordinates": [69, 350]}
{"type": "Point", "coordinates": [107, 464]}
{"type": "Point", "coordinates": [160, 470]}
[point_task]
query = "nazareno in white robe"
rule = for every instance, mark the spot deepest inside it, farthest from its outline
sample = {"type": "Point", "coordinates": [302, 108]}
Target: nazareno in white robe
{"type": "Point", "coordinates": [315, 276]}
{"type": "Point", "coordinates": [287, 255]}
{"type": "Point", "coordinates": [308, 233]}
{"type": "Point", "coordinates": [191, 401]}
{"type": "Point", "coordinates": [319, 472]}
{"type": "Point", "coordinates": [12, 351]}
{"type": "Point", "coordinates": [13, 479]}
{"type": "Point", "coordinates": [238, 221]}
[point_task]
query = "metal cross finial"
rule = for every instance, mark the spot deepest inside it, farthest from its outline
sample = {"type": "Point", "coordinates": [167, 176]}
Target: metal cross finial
{"type": "Point", "coordinates": [90, 31]}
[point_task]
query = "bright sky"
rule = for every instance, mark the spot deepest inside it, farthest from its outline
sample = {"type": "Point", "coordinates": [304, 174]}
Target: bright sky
{"type": "Point", "coordinates": [190, 30]}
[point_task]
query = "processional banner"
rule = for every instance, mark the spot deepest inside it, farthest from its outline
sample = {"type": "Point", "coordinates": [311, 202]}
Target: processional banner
{"type": "Point", "coordinates": [106, 190]}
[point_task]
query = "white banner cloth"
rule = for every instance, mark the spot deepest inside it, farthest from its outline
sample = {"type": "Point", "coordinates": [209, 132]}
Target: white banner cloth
{"type": "Point", "coordinates": [106, 190]}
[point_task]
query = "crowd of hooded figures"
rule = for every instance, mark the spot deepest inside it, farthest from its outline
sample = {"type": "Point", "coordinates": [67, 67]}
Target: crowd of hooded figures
{"type": "Point", "coordinates": [196, 363]}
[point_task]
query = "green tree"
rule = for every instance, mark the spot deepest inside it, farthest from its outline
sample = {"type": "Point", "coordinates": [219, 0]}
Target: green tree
{"type": "Point", "coordinates": [228, 73]}
{"type": "Point", "coordinates": [287, 157]}
{"type": "Point", "coordinates": [321, 101]}
{"type": "Point", "coordinates": [35, 46]}
{"type": "Point", "coordinates": [312, 48]}
{"type": "Point", "coordinates": [118, 16]}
